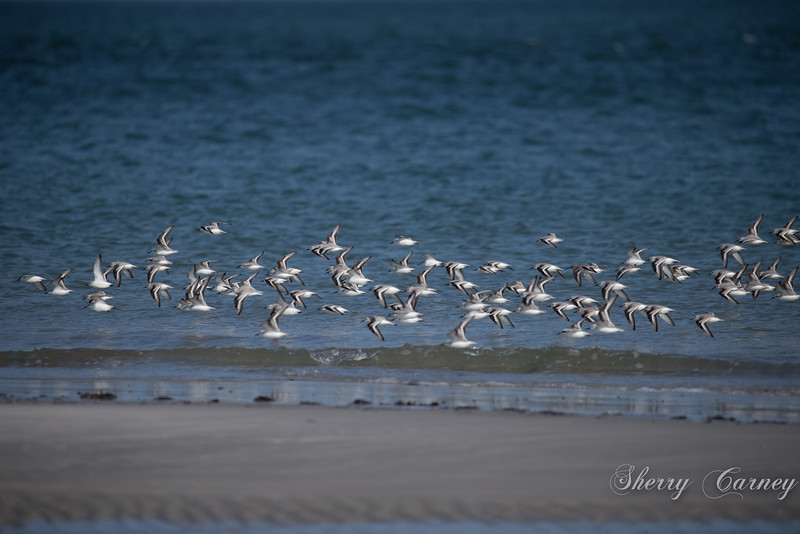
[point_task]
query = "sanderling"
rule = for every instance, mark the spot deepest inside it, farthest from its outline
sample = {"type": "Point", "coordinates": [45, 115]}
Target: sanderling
{"type": "Point", "coordinates": [771, 272]}
{"type": "Point", "coordinates": [463, 285]}
{"type": "Point", "coordinates": [375, 322]}
{"type": "Point", "coordinates": [630, 309]}
{"type": "Point", "coordinates": [162, 246]}
{"type": "Point", "coordinates": [323, 248]}
{"type": "Point", "coordinates": [785, 289]}
{"type": "Point", "coordinates": [204, 268]}
{"type": "Point", "coordinates": [153, 269]}
{"type": "Point", "coordinates": [58, 285]}
{"type": "Point", "coordinates": [334, 309]}
{"type": "Point", "coordinates": [660, 263]}
{"type": "Point", "coordinates": [493, 266]}
{"type": "Point", "coordinates": [454, 269]}
{"type": "Point", "coordinates": [97, 301]}
{"type": "Point", "coordinates": [34, 279]}
{"type": "Point", "coordinates": [404, 241]}
{"type": "Point", "coordinates": [528, 307]}
{"type": "Point", "coordinates": [551, 240]}
{"type": "Point", "coordinates": [498, 315]}
{"type": "Point", "coordinates": [430, 261]}
{"type": "Point", "coordinates": [99, 281]}
{"type": "Point", "coordinates": [270, 328]}
{"type": "Point", "coordinates": [298, 296]}
{"type": "Point", "coordinates": [157, 289]}
{"type": "Point", "coordinates": [548, 270]}
{"type": "Point", "coordinates": [382, 290]}
{"type": "Point", "coordinates": [252, 264]}
{"type": "Point", "coordinates": [611, 285]}
{"type": "Point", "coordinates": [575, 331]}
{"type": "Point", "coordinates": [457, 338]}
{"type": "Point", "coordinates": [635, 256]}
{"type": "Point", "coordinates": [752, 234]}
{"type": "Point", "coordinates": [245, 290]}
{"type": "Point", "coordinates": [625, 269]}
{"type": "Point", "coordinates": [731, 249]}
{"type": "Point", "coordinates": [355, 275]}
{"type": "Point", "coordinates": [786, 234]}
{"type": "Point", "coordinates": [603, 323]}
{"type": "Point", "coordinates": [118, 268]}
{"type": "Point", "coordinates": [654, 311]}
{"type": "Point", "coordinates": [703, 319]}
{"type": "Point", "coordinates": [561, 308]}
{"type": "Point", "coordinates": [402, 267]}
{"type": "Point", "coordinates": [213, 228]}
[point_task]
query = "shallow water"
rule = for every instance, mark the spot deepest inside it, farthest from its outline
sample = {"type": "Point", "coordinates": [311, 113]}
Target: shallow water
{"type": "Point", "coordinates": [475, 127]}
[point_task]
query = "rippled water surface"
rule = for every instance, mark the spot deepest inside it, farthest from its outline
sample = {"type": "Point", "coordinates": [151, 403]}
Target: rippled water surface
{"type": "Point", "coordinates": [476, 127]}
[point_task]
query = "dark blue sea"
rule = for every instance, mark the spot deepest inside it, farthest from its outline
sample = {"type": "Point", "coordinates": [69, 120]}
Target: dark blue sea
{"type": "Point", "coordinates": [474, 126]}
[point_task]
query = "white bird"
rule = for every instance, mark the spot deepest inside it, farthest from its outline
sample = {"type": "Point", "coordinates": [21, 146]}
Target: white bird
{"type": "Point", "coordinates": [355, 275]}
{"type": "Point", "coordinates": [702, 320]}
{"type": "Point", "coordinates": [731, 249]}
{"type": "Point", "coordinates": [786, 234]}
{"type": "Point", "coordinates": [575, 331]}
{"type": "Point", "coordinates": [551, 240]}
{"type": "Point", "coordinates": [34, 279]}
{"type": "Point", "coordinates": [785, 289]}
{"type": "Point", "coordinates": [213, 228]}
{"type": "Point", "coordinates": [204, 268]}
{"type": "Point", "coordinates": [375, 322]}
{"type": "Point", "coordinates": [548, 270]}
{"type": "Point", "coordinates": [654, 311]}
{"type": "Point", "coordinates": [252, 264]}
{"type": "Point", "coordinates": [752, 234]}
{"type": "Point", "coordinates": [323, 248]}
{"type": "Point", "coordinates": [245, 290]}
{"type": "Point", "coordinates": [493, 266]}
{"type": "Point", "coordinates": [430, 261]}
{"type": "Point", "coordinates": [289, 308]}
{"type": "Point", "coordinates": [162, 246]}
{"type": "Point", "coordinates": [284, 271]}
{"type": "Point", "coordinates": [561, 308]}
{"type": "Point", "coordinates": [270, 328]}
{"type": "Point", "coordinates": [298, 295]}
{"type": "Point", "coordinates": [630, 309]}
{"type": "Point", "coordinates": [157, 289]}
{"type": "Point", "coordinates": [153, 269]}
{"type": "Point", "coordinates": [334, 309]}
{"type": "Point", "coordinates": [454, 269]}
{"type": "Point", "coordinates": [404, 241]}
{"type": "Point", "coordinates": [660, 263]}
{"type": "Point", "coordinates": [58, 285]}
{"type": "Point", "coordinates": [635, 256]}
{"type": "Point", "coordinates": [118, 268]}
{"type": "Point", "coordinates": [603, 323]}
{"type": "Point", "coordinates": [381, 291]}
{"type": "Point", "coordinates": [402, 267]}
{"type": "Point", "coordinates": [99, 281]}
{"type": "Point", "coordinates": [457, 338]}
{"type": "Point", "coordinates": [97, 301]}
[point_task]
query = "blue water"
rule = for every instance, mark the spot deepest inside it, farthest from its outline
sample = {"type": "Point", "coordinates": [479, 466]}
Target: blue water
{"type": "Point", "coordinates": [474, 126]}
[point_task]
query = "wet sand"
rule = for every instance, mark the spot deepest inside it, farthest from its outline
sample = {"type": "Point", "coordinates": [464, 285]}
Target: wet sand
{"type": "Point", "coordinates": [312, 464]}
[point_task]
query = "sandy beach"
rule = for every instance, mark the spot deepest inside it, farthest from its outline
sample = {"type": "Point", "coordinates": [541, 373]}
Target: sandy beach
{"type": "Point", "coordinates": [311, 464]}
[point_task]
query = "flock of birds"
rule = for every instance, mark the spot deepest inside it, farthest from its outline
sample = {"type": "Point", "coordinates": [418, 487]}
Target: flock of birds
{"type": "Point", "coordinates": [350, 281]}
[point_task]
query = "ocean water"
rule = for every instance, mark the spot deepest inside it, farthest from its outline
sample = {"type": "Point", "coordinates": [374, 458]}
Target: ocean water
{"type": "Point", "coordinates": [476, 127]}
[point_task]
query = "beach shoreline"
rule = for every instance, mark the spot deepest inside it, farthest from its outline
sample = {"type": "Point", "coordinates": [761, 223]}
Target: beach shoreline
{"type": "Point", "coordinates": [311, 464]}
